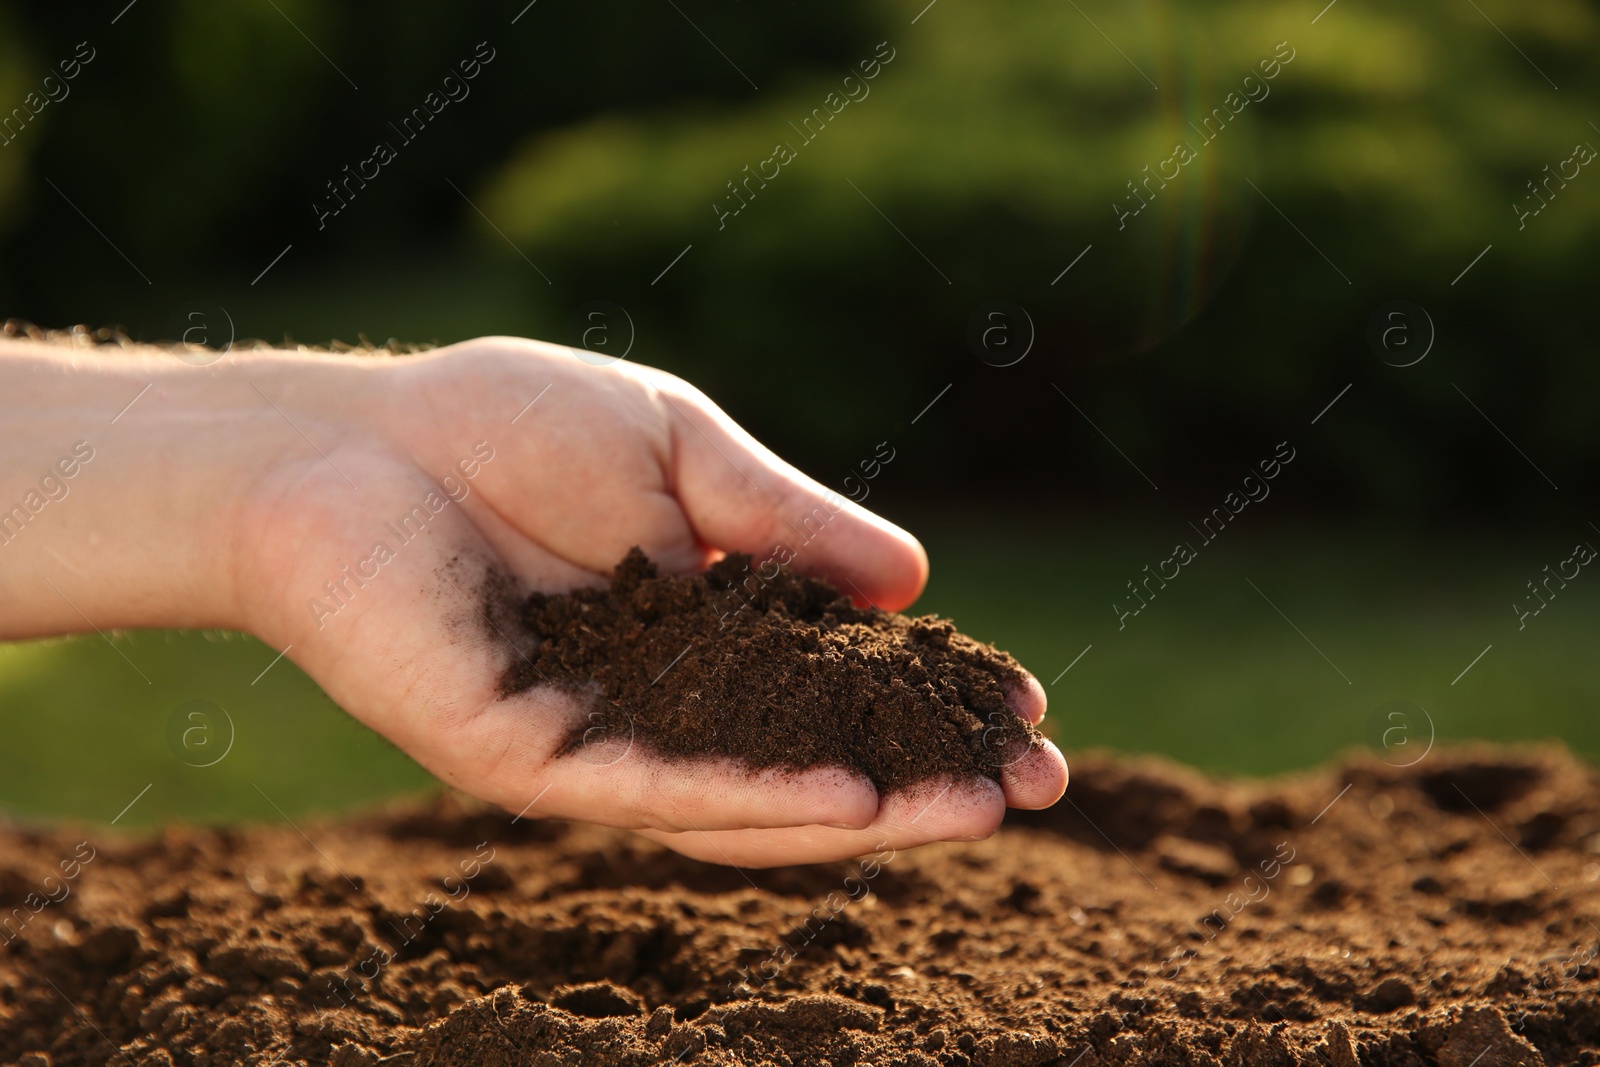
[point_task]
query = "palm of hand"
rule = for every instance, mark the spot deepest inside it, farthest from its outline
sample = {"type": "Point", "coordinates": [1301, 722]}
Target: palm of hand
{"type": "Point", "coordinates": [369, 560]}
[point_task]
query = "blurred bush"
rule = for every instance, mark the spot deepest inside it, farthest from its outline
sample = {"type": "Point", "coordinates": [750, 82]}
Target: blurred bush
{"type": "Point", "coordinates": [993, 148]}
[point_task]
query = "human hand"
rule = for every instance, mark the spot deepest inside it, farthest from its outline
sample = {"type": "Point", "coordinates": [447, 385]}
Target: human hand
{"type": "Point", "coordinates": [518, 456]}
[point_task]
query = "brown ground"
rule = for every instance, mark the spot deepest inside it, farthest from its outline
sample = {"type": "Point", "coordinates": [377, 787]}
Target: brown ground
{"type": "Point", "coordinates": [1440, 915]}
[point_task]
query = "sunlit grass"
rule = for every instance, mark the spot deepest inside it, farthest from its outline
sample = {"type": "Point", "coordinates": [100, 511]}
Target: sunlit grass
{"type": "Point", "coordinates": [1212, 674]}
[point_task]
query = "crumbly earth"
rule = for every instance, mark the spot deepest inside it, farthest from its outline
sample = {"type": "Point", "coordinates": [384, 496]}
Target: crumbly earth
{"type": "Point", "coordinates": [1438, 915]}
{"type": "Point", "coordinates": [755, 662]}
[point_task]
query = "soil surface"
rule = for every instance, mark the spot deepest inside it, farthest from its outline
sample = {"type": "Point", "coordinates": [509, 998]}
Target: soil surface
{"type": "Point", "coordinates": [1443, 914]}
{"type": "Point", "coordinates": [779, 670]}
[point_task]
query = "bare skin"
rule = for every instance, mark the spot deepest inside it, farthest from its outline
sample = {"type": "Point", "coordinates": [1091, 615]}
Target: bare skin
{"type": "Point", "coordinates": [232, 495]}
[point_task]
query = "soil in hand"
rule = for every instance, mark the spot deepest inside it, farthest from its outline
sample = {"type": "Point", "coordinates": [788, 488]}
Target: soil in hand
{"type": "Point", "coordinates": [776, 671]}
{"type": "Point", "coordinates": [1436, 916]}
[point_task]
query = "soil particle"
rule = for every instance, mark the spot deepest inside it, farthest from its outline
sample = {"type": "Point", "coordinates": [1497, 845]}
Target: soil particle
{"type": "Point", "coordinates": [1057, 942]}
{"type": "Point", "coordinates": [1336, 1049]}
{"type": "Point", "coordinates": [771, 668]}
{"type": "Point", "coordinates": [598, 1000]}
{"type": "Point", "coordinates": [1209, 863]}
{"type": "Point", "coordinates": [1484, 1039]}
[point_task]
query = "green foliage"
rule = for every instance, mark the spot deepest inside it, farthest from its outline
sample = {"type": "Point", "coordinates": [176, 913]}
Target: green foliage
{"type": "Point", "coordinates": [992, 149]}
{"type": "Point", "coordinates": [1001, 136]}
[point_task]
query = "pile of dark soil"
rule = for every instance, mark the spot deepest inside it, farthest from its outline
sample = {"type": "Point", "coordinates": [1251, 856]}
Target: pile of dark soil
{"type": "Point", "coordinates": [1359, 915]}
{"type": "Point", "coordinates": [773, 668]}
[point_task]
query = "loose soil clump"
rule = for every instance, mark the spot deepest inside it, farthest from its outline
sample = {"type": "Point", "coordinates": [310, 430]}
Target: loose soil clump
{"type": "Point", "coordinates": [780, 671]}
{"type": "Point", "coordinates": [1358, 915]}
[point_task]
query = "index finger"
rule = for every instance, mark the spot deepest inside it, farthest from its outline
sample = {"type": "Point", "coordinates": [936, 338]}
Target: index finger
{"type": "Point", "coordinates": [740, 496]}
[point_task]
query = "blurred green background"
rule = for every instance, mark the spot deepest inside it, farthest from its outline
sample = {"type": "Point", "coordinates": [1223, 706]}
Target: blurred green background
{"type": "Point", "coordinates": [1398, 155]}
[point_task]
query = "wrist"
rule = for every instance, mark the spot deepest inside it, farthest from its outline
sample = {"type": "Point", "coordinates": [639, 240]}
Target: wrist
{"type": "Point", "coordinates": [128, 478]}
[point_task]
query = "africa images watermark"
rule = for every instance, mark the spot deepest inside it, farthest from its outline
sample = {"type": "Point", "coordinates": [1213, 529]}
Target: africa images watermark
{"type": "Point", "coordinates": [1253, 489]}
{"type": "Point", "coordinates": [1582, 555]}
{"type": "Point", "coordinates": [812, 524]}
{"type": "Point", "coordinates": [52, 90]}
{"type": "Point", "coordinates": [870, 468]}
{"type": "Point", "coordinates": [857, 886]}
{"type": "Point", "coordinates": [810, 128]}
{"type": "Point", "coordinates": [1582, 155]}
{"type": "Point", "coordinates": [1214, 123]}
{"type": "Point", "coordinates": [53, 487]}
{"type": "Point", "coordinates": [12, 925]}
{"type": "Point", "coordinates": [411, 928]}
{"type": "Point", "coordinates": [1253, 889]}
{"type": "Point", "coordinates": [341, 591]}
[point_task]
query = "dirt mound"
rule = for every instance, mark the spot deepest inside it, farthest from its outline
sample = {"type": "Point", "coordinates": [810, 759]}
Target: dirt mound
{"type": "Point", "coordinates": [753, 661]}
{"type": "Point", "coordinates": [1362, 915]}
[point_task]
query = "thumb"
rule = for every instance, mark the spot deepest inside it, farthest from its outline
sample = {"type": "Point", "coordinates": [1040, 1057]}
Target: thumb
{"type": "Point", "coordinates": [739, 496]}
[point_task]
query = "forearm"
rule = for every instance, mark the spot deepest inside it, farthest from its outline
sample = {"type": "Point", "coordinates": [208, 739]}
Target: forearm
{"type": "Point", "coordinates": [123, 474]}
